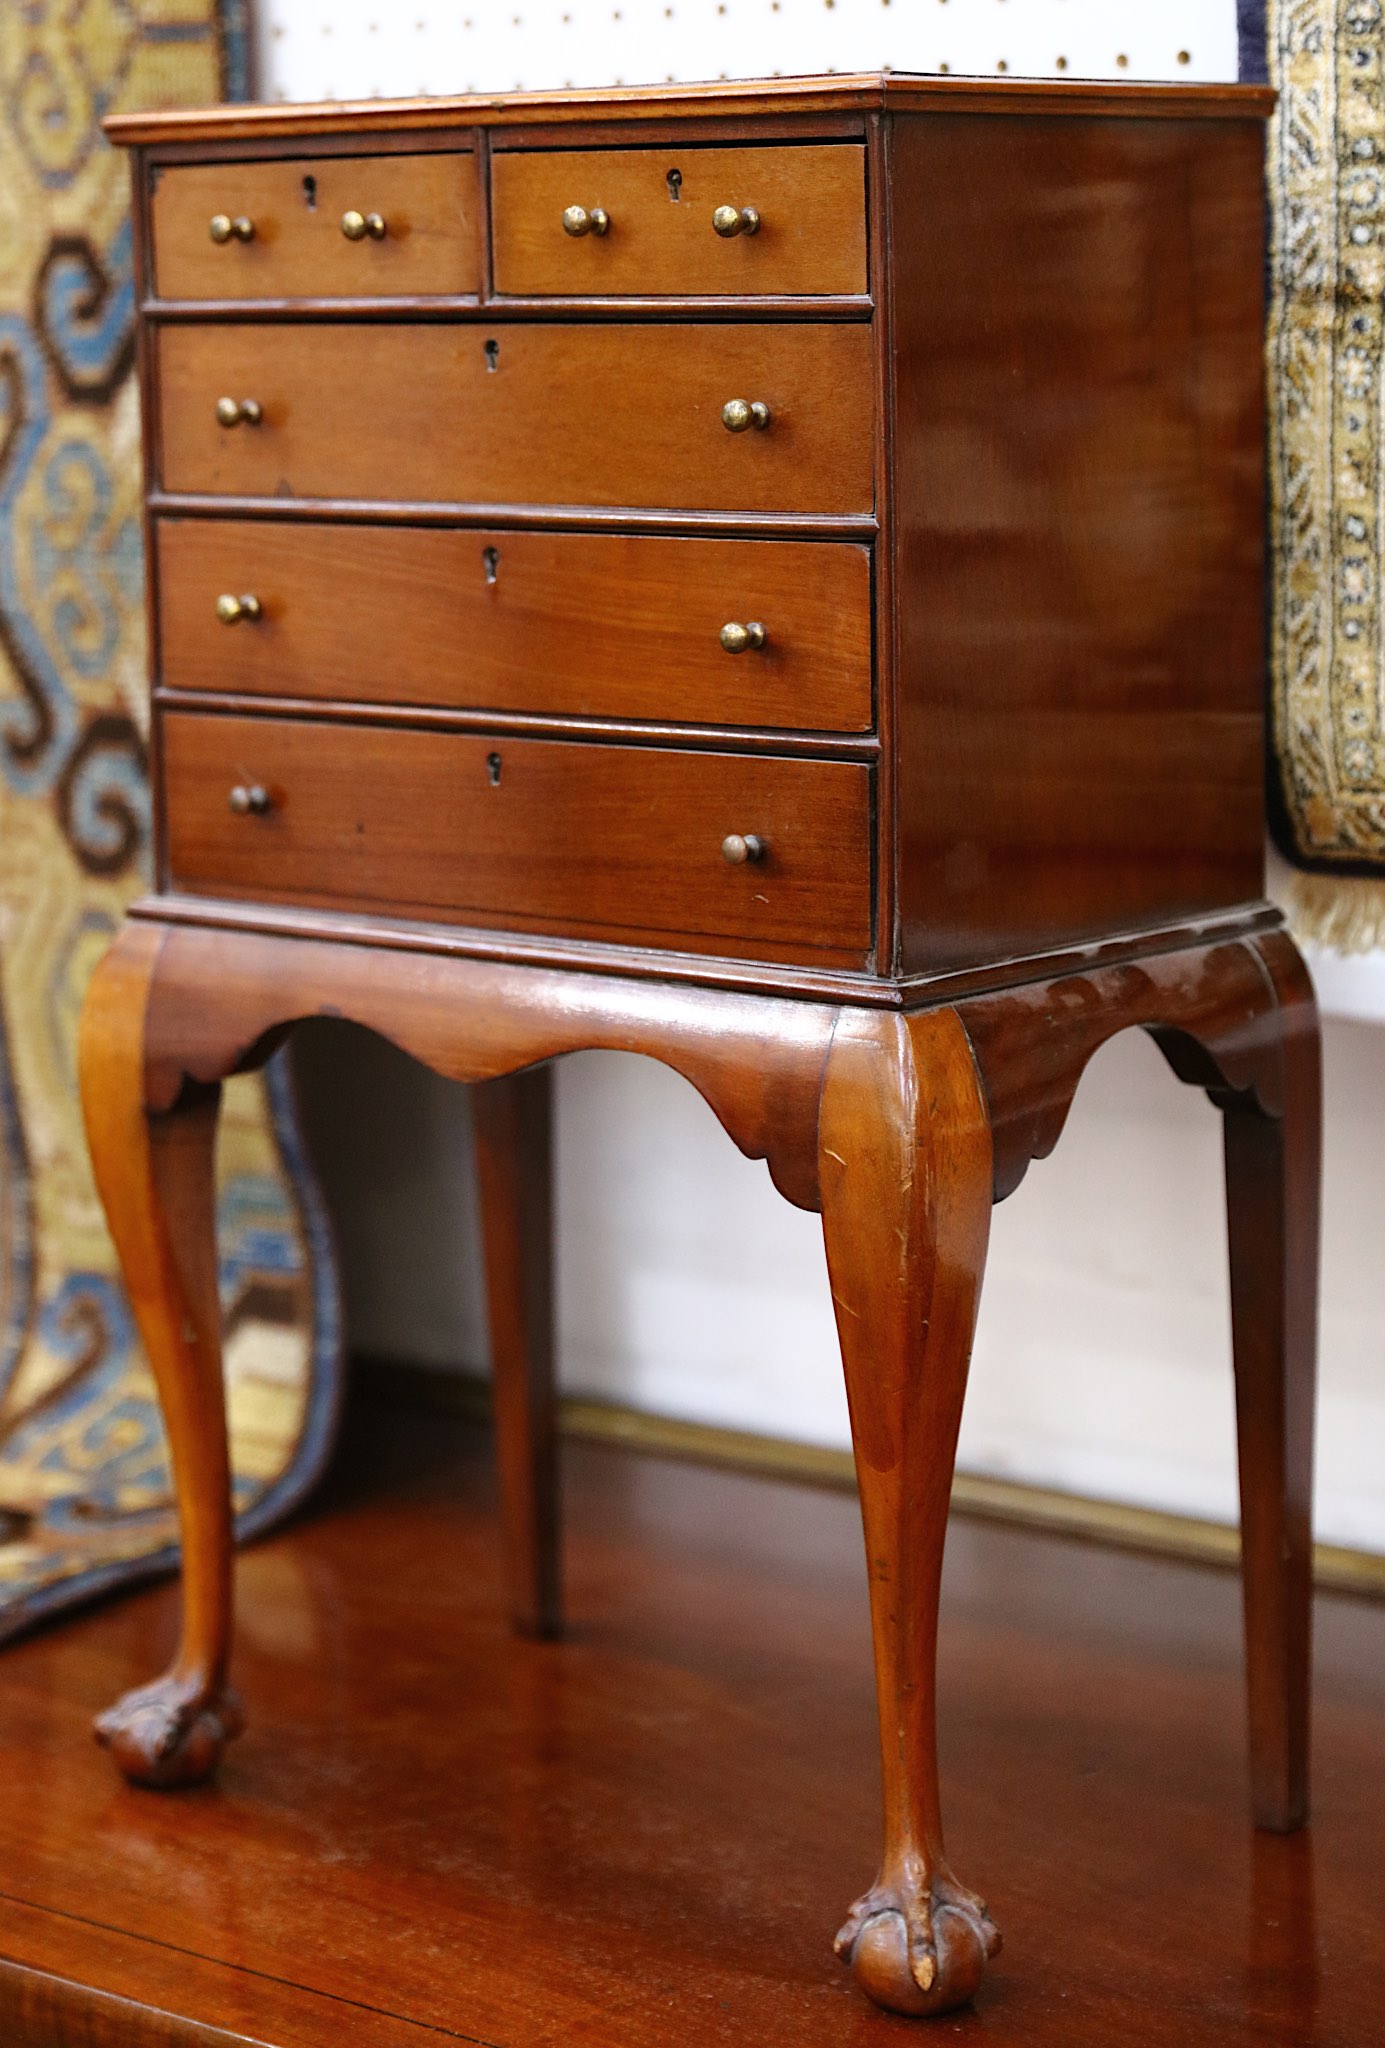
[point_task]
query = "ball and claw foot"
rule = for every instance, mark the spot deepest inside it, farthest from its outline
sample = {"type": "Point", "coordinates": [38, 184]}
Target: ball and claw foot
{"type": "Point", "coordinates": [917, 1951]}
{"type": "Point", "coordinates": [170, 1733]}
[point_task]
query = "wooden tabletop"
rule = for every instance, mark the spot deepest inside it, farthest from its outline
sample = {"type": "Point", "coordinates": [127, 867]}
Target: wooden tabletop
{"type": "Point", "coordinates": [730, 99]}
{"type": "Point", "coordinates": [661, 1818]}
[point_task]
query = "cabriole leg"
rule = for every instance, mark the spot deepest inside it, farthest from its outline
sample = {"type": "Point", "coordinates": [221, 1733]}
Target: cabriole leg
{"type": "Point", "coordinates": [1273, 1169]}
{"type": "Point", "coordinates": [514, 1150]}
{"type": "Point", "coordinates": [906, 1178]}
{"type": "Point", "coordinates": [155, 1175]}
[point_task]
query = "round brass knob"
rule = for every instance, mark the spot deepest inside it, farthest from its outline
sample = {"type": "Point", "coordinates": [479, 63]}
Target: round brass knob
{"type": "Point", "coordinates": [739, 413]}
{"type": "Point", "coordinates": [358, 226]}
{"type": "Point", "coordinates": [231, 411]}
{"type": "Point", "coordinates": [736, 639]}
{"type": "Point", "coordinates": [736, 220]}
{"type": "Point", "coordinates": [738, 848]}
{"type": "Point", "coordinates": [250, 800]}
{"type": "Point", "coordinates": [224, 227]}
{"type": "Point", "coordinates": [586, 220]}
{"type": "Point", "coordinates": [231, 610]}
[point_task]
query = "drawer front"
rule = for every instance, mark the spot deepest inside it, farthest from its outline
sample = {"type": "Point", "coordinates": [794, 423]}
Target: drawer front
{"type": "Point", "coordinates": [429, 206]}
{"type": "Point", "coordinates": [539, 414]}
{"type": "Point", "coordinates": [807, 206]}
{"type": "Point", "coordinates": [596, 625]}
{"type": "Point", "coordinates": [572, 838]}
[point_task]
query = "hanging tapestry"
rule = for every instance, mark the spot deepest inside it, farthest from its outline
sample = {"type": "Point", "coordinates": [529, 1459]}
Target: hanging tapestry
{"type": "Point", "coordinates": [84, 1487]}
{"type": "Point", "coordinates": [1327, 459]}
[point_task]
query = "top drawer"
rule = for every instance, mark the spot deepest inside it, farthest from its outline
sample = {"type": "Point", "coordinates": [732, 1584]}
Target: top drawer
{"type": "Point", "coordinates": [332, 227]}
{"type": "Point", "coordinates": [787, 221]}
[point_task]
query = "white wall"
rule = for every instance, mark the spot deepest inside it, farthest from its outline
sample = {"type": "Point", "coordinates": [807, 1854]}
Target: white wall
{"type": "Point", "coordinates": [353, 49]}
{"type": "Point", "coordinates": [687, 1286]}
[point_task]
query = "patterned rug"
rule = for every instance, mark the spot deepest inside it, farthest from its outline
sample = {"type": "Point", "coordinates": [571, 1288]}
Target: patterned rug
{"type": "Point", "coordinates": [1327, 458]}
{"type": "Point", "coordinates": [84, 1489]}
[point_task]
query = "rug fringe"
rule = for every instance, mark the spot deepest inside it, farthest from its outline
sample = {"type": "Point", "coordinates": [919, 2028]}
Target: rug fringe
{"type": "Point", "coordinates": [1343, 912]}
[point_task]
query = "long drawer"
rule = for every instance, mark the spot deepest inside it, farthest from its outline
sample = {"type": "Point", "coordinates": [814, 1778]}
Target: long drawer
{"type": "Point", "coordinates": [585, 839]}
{"type": "Point", "coordinates": [516, 414]}
{"type": "Point", "coordinates": [733, 632]}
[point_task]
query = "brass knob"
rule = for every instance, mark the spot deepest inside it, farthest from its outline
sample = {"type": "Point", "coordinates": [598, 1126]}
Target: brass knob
{"type": "Point", "coordinates": [738, 848]}
{"type": "Point", "coordinates": [357, 226]}
{"type": "Point", "coordinates": [250, 800]}
{"type": "Point", "coordinates": [231, 610]}
{"type": "Point", "coordinates": [736, 220]}
{"type": "Point", "coordinates": [736, 639]}
{"type": "Point", "coordinates": [224, 227]}
{"type": "Point", "coordinates": [231, 411]}
{"type": "Point", "coordinates": [586, 220]}
{"type": "Point", "coordinates": [738, 413]}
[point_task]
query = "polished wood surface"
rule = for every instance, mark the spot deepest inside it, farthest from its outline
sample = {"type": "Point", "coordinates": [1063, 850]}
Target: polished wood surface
{"type": "Point", "coordinates": [415, 1840]}
{"type": "Point", "coordinates": [622, 626]}
{"type": "Point", "coordinates": [1241, 1023]}
{"type": "Point", "coordinates": [811, 237]}
{"type": "Point", "coordinates": [966, 781]}
{"type": "Point", "coordinates": [755, 103]}
{"type": "Point", "coordinates": [430, 205]}
{"type": "Point", "coordinates": [566, 836]}
{"type": "Point", "coordinates": [569, 415]}
{"type": "Point", "coordinates": [905, 1173]}
{"type": "Point", "coordinates": [1081, 658]}
{"type": "Point", "coordinates": [156, 1179]}
{"type": "Point", "coordinates": [903, 1113]}
{"type": "Point", "coordinates": [223, 1000]}
{"type": "Point", "coordinates": [513, 1118]}
{"type": "Point", "coordinates": [1273, 1225]}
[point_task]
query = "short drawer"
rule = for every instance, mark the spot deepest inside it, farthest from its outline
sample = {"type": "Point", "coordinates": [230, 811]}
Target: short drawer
{"type": "Point", "coordinates": [279, 230]}
{"type": "Point", "coordinates": [693, 222]}
{"type": "Point", "coordinates": [716, 632]}
{"type": "Point", "coordinates": [584, 839]}
{"type": "Point", "coordinates": [538, 414]}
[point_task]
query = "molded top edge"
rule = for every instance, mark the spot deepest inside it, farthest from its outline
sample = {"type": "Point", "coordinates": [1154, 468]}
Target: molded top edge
{"type": "Point", "coordinates": [731, 98]}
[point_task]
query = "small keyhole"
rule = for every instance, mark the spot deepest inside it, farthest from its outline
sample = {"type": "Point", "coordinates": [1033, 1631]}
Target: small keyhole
{"type": "Point", "coordinates": [493, 769]}
{"type": "Point", "coordinates": [492, 355]}
{"type": "Point", "coordinates": [490, 558]}
{"type": "Point", "coordinates": [310, 193]}
{"type": "Point", "coordinates": [674, 181]}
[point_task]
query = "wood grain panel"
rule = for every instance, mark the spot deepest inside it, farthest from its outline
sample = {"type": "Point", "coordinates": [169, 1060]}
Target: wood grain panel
{"type": "Point", "coordinates": [431, 205]}
{"type": "Point", "coordinates": [603, 625]}
{"type": "Point", "coordinates": [569, 415]}
{"type": "Point", "coordinates": [1080, 534]}
{"type": "Point", "coordinates": [580, 838]}
{"type": "Point", "coordinates": [811, 202]}
{"type": "Point", "coordinates": [728, 103]}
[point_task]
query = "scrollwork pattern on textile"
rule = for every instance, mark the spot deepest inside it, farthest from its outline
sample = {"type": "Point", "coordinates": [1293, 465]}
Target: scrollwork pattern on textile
{"type": "Point", "coordinates": [1327, 439]}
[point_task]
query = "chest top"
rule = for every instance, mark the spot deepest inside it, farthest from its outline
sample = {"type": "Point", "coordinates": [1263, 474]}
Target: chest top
{"type": "Point", "coordinates": [805, 535]}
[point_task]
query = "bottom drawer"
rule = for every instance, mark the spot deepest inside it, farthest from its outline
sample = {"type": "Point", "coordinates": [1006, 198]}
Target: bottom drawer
{"type": "Point", "coordinates": [583, 839]}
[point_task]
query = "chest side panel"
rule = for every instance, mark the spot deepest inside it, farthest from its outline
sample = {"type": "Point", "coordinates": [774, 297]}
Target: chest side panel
{"type": "Point", "coordinates": [1079, 527]}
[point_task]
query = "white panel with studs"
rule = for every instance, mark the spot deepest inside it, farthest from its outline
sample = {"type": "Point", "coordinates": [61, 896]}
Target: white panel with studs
{"type": "Point", "coordinates": [363, 49]}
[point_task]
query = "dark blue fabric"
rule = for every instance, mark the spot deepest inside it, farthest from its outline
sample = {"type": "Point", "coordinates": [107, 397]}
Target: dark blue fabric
{"type": "Point", "coordinates": [1250, 29]}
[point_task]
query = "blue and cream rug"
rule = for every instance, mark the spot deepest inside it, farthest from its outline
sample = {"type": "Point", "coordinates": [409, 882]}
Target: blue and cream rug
{"type": "Point", "coordinates": [84, 1488]}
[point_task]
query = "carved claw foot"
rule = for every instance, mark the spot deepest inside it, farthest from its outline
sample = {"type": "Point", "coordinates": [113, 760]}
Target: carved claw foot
{"type": "Point", "coordinates": [916, 1949]}
{"type": "Point", "coordinates": [170, 1733]}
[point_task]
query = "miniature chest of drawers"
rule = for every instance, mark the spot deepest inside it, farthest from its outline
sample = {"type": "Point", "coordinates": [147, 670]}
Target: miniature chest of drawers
{"type": "Point", "coordinates": [769, 577]}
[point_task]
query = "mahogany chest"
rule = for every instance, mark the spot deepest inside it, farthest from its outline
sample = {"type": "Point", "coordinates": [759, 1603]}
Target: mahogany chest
{"type": "Point", "coordinates": [814, 528]}
{"type": "Point", "coordinates": [769, 577]}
